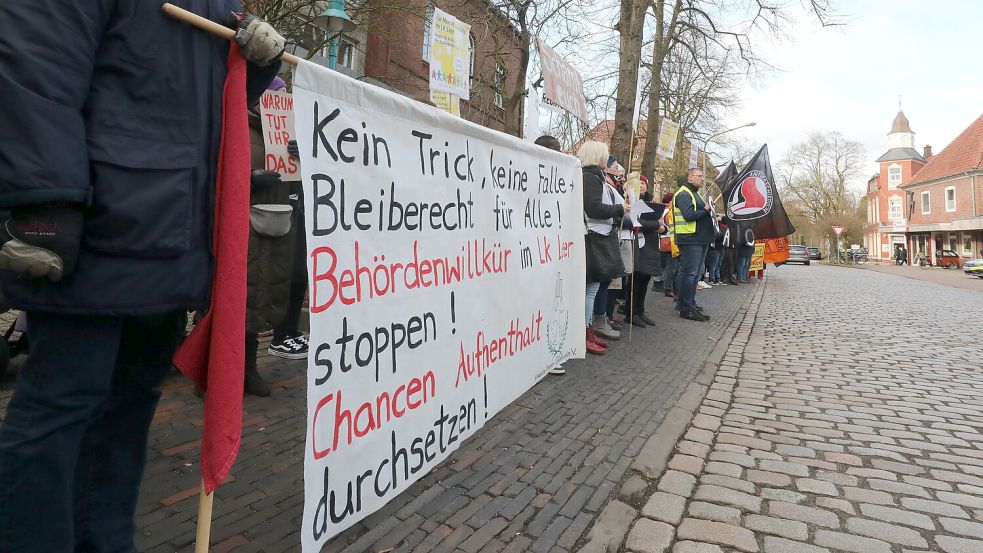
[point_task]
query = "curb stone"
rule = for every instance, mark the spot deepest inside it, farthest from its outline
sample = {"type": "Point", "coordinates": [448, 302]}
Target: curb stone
{"type": "Point", "coordinates": [610, 531]}
{"type": "Point", "coordinates": [706, 399]}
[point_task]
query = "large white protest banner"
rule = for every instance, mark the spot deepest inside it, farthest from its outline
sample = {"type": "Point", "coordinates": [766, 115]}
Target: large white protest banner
{"type": "Point", "coordinates": [277, 113]}
{"type": "Point", "coordinates": [446, 266]}
{"type": "Point", "coordinates": [562, 83]}
{"type": "Point", "coordinates": [450, 60]}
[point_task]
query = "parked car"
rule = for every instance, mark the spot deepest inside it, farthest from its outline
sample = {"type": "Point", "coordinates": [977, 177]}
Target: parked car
{"type": "Point", "coordinates": [798, 254]}
{"type": "Point", "coordinates": [974, 267]}
{"type": "Point", "coordinates": [948, 259]}
{"type": "Point", "coordinates": [814, 253]}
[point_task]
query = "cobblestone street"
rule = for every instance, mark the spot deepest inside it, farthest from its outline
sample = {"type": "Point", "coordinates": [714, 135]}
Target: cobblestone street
{"type": "Point", "coordinates": [825, 410]}
{"type": "Point", "coordinates": [845, 416]}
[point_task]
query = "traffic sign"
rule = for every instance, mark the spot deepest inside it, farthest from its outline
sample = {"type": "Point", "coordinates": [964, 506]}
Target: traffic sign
{"type": "Point", "coordinates": [838, 230]}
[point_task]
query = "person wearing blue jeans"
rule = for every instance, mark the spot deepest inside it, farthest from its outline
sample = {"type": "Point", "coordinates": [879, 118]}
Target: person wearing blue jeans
{"type": "Point", "coordinates": [744, 253]}
{"type": "Point", "coordinates": [692, 260]}
{"type": "Point", "coordinates": [694, 232]}
{"type": "Point", "coordinates": [74, 442]}
{"type": "Point", "coordinates": [714, 257]}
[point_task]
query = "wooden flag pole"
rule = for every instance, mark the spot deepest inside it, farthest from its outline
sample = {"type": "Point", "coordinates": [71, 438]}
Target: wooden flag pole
{"type": "Point", "coordinates": [204, 520]}
{"type": "Point", "coordinates": [205, 500]}
{"type": "Point", "coordinates": [207, 25]}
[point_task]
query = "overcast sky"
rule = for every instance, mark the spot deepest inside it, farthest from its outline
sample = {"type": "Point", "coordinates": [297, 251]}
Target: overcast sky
{"type": "Point", "coordinates": [848, 79]}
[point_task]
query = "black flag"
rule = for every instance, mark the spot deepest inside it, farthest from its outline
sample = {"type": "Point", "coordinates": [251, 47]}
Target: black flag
{"type": "Point", "coordinates": [723, 180]}
{"type": "Point", "coordinates": [751, 201]}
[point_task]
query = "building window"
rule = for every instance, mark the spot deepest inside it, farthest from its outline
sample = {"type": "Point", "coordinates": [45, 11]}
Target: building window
{"type": "Point", "coordinates": [894, 177]}
{"type": "Point", "coordinates": [967, 243]}
{"type": "Point", "coordinates": [895, 212]}
{"type": "Point", "coordinates": [926, 203]}
{"type": "Point", "coordinates": [427, 29]}
{"type": "Point", "coordinates": [499, 86]}
{"type": "Point", "coordinates": [954, 242]}
{"type": "Point", "coordinates": [950, 198]}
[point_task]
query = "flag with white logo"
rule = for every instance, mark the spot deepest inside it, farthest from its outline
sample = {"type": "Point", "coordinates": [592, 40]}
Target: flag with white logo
{"type": "Point", "coordinates": [751, 200]}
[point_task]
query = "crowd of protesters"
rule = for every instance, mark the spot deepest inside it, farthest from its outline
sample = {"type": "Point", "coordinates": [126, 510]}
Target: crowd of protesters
{"type": "Point", "coordinates": [678, 244]}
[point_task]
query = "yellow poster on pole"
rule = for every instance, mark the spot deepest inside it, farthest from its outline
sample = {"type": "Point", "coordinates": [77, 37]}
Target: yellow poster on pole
{"type": "Point", "coordinates": [447, 102]}
{"type": "Point", "coordinates": [450, 62]}
{"type": "Point", "coordinates": [667, 139]}
{"type": "Point", "coordinates": [758, 257]}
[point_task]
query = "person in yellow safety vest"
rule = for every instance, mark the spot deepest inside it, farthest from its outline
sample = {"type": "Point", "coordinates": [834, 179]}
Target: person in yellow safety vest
{"type": "Point", "coordinates": [693, 232]}
{"type": "Point", "coordinates": [668, 251]}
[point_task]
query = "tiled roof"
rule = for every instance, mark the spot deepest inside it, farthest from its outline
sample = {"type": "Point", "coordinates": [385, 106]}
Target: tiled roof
{"type": "Point", "coordinates": [899, 154]}
{"type": "Point", "coordinates": [965, 153]}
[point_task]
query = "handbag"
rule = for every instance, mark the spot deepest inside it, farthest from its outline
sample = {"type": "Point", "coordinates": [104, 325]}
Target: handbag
{"type": "Point", "coordinates": [603, 256]}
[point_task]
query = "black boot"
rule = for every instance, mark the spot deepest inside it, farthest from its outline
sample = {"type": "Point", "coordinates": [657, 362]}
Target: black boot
{"type": "Point", "coordinates": [253, 383]}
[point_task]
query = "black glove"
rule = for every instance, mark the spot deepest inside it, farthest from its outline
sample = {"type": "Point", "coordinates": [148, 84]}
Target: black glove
{"type": "Point", "coordinates": [259, 41]}
{"type": "Point", "coordinates": [261, 179]}
{"type": "Point", "coordinates": [41, 241]}
{"type": "Point", "coordinates": [293, 149]}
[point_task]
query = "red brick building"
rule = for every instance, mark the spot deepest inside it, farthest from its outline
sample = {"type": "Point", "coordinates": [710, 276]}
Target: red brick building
{"type": "Point", "coordinates": [396, 52]}
{"type": "Point", "coordinates": [886, 215]}
{"type": "Point", "coordinates": [945, 198]}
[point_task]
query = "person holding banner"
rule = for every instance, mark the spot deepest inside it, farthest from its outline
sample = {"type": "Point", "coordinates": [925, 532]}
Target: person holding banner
{"type": "Point", "coordinates": [110, 130]}
{"type": "Point", "coordinates": [693, 230]}
{"type": "Point", "coordinates": [601, 209]}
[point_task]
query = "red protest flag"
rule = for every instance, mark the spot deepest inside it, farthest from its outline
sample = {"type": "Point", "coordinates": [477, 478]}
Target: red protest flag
{"type": "Point", "coordinates": [214, 354]}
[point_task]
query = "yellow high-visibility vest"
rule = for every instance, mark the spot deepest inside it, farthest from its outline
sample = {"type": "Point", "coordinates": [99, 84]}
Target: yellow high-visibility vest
{"type": "Point", "coordinates": [680, 224]}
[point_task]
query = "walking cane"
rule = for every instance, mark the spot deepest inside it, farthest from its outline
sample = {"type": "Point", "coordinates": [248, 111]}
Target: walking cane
{"type": "Point", "coordinates": [206, 499]}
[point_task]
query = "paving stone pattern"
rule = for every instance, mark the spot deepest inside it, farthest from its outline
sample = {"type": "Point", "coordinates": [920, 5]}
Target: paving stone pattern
{"type": "Point", "coordinates": [846, 416]}
{"type": "Point", "coordinates": [535, 478]}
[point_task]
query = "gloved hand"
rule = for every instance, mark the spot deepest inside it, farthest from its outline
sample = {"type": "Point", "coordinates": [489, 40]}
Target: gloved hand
{"type": "Point", "coordinates": [260, 178]}
{"type": "Point", "coordinates": [260, 42]}
{"type": "Point", "coordinates": [41, 241]}
{"type": "Point", "coordinates": [293, 149]}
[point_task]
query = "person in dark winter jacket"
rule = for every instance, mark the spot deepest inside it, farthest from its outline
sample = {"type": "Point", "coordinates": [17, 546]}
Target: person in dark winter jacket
{"type": "Point", "coordinates": [110, 130]}
{"type": "Point", "coordinates": [602, 208]}
{"type": "Point", "coordinates": [272, 236]}
{"type": "Point", "coordinates": [693, 230]}
{"type": "Point", "coordinates": [729, 251]}
{"type": "Point", "coordinates": [648, 261]}
{"type": "Point", "coordinates": [715, 256]}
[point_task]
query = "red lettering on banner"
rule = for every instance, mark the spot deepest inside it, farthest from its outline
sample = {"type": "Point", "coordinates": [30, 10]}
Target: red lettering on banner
{"type": "Point", "coordinates": [486, 353]}
{"type": "Point", "coordinates": [369, 416]}
{"type": "Point", "coordinates": [362, 281]}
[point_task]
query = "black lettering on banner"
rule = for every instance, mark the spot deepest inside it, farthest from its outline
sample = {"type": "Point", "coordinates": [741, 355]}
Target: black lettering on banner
{"type": "Point", "coordinates": [392, 473]}
{"type": "Point", "coordinates": [347, 135]}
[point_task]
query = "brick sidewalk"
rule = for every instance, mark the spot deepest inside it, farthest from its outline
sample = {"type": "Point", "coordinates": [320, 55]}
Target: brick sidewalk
{"type": "Point", "coordinates": [533, 479]}
{"type": "Point", "coordinates": [841, 419]}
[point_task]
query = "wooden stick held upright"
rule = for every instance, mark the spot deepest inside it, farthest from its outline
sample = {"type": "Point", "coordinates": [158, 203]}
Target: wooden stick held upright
{"type": "Point", "coordinates": [204, 520]}
{"type": "Point", "coordinates": [209, 26]}
{"type": "Point", "coordinates": [205, 500]}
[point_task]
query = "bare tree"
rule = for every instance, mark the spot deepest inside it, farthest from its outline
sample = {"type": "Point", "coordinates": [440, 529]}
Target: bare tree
{"type": "Point", "coordinates": [815, 174]}
{"type": "Point", "coordinates": [702, 27]}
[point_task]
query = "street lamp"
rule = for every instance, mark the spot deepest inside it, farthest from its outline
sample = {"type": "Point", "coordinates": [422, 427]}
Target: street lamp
{"type": "Point", "coordinates": [712, 136]}
{"type": "Point", "coordinates": [335, 21]}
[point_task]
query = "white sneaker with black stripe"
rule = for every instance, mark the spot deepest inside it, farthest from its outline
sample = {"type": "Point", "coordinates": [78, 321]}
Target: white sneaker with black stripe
{"type": "Point", "coordinates": [291, 348]}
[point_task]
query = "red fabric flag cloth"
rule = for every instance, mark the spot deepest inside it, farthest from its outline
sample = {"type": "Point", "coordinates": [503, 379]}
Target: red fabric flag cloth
{"type": "Point", "coordinates": [214, 354]}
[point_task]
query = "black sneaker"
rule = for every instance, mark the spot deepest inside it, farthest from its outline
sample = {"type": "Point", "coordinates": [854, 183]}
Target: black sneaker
{"type": "Point", "coordinates": [291, 348]}
{"type": "Point", "coordinates": [694, 316]}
